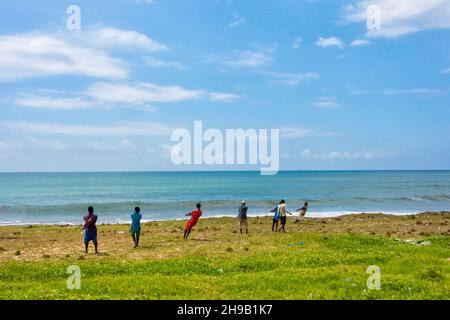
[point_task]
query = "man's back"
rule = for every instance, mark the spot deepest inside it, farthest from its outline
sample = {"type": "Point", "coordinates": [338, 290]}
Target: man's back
{"type": "Point", "coordinates": [282, 210]}
{"type": "Point", "coordinates": [243, 212]}
{"type": "Point", "coordinates": [90, 221]}
{"type": "Point", "coordinates": [136, 221]}
{"type": "Point", "coordinates": [196, 214]}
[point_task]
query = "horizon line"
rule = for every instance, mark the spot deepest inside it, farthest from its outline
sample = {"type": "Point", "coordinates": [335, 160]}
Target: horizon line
{"type": "Point", "coordinates": [223, 171]}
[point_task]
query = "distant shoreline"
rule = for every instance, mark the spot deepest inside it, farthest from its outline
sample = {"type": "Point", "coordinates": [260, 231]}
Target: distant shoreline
{"type": "Point", "coordinates": [226, 171]}
{"type": "Point", "coordinates": [309, 217]}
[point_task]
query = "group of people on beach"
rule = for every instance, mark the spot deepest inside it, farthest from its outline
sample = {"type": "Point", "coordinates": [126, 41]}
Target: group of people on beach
{"type": "Point", "coordinates": [280, 216]}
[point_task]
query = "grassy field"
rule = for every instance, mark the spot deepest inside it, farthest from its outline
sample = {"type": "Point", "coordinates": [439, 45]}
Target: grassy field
{"type": "Point", "coordinates": [317, 259]}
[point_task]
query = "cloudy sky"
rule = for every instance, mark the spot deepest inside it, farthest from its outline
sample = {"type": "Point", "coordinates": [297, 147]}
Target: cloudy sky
{"type": "Point", "coordinates": [108, 96]}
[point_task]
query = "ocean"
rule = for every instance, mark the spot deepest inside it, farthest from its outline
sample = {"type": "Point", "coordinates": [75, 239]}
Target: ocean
{"type": "Point", "coordinates": [63, 198]}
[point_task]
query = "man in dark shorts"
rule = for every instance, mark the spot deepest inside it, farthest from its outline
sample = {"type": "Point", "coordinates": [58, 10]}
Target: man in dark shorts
{"type": "Point", "coordinates": [195, 215]}
{"type": "Point", "coordinates": [136, 226]}
{"type": "Point", "coordinates": [282, 212]}
{"type": "Point", "coordinates": [90, 229]}
{"type": "Point", "coordinates": [242, 217]}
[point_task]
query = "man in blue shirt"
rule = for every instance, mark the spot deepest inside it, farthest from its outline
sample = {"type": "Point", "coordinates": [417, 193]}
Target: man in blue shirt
{"type": "Point", "coordinates": [275, 218]}
{"type": "Point", "coordinates": [136, 226]}
{"type": "Point", "coordinates": [242, 217]}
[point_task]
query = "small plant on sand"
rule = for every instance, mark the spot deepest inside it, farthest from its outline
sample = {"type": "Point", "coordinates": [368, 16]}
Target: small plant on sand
{"type": "Point", "coordinates": [17, 253]}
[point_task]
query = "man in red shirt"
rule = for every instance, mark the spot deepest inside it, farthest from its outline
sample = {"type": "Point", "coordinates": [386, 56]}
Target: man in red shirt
{"type": "Point", "coordinates": [195, 215]}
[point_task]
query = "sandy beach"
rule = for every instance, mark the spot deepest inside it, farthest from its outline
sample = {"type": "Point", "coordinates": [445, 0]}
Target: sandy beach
{"type": "Point", "coordinates": [162, 239]}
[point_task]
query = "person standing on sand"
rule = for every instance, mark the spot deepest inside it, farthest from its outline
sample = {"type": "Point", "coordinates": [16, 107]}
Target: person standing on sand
{"type": "Point", "coordinates": [301, 212]}
{"type": "Point", "coordinates": [195, 215]}
{"type": "Point", "coordinates": [276, 217]}
{"type": "Point", "coordinates": [242, 217]}
{"type": "Point", "coordinates": [136, 226]}
{"type": "Point", "coordinates": [282, 211]}
{"type": "Point", "coordinates": [90, 229]}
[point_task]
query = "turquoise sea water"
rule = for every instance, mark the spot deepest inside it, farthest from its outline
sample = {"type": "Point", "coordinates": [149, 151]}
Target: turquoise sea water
{"type": "Point", "coordinates": [27, 198]}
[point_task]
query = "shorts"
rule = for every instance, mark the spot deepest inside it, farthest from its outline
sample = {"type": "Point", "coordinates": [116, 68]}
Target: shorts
{"type": "Point", "coordinates": [283, 220]}
{"type": "Point", "coordinates": [90, 236]}
{"type": "Point", "coordinates": [190, 224]}
{"type": "Point", "coordinates": [243, 223]}
{"type": "Point", "coordinates": [138, 232]}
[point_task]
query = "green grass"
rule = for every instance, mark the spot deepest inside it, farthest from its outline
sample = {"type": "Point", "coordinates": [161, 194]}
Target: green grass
{"type": "Point", "coordinates": [259, 266]}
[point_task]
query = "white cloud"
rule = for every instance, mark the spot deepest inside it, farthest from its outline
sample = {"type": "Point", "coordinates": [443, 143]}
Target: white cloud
{"type": "Point", "coordinates": [138, 96]}
{"type": "Point", "coordinates": [326, 103]}
{"type": "Point", "coordinates": [140, 93]}
{"type": "Point", "coordinates": [83, 53]}
{"type": "Point", "coordinates": [157, 63]}
{"type": "Point", "coordinates": [360, 43]}
{"type": "Point", "coordinates": [166, 150]}
{"type": "Point", "coordinates": [329, 42]}
{"type": "Point", "coordinates": [121, 129]}
{"type": "Point", "coordinates": [237, 20]}
{"type": "Point", "coordinates": [122, 146]}
{"type": "Point", "coordinates": [298, 132]}
{"type": "Point", "coordinates": [250, 59]}
{"type": "Point", "coordinates": [142, 107]}
{"type": "Point", "coordinates": [446, 71]}
{"type": "Point", "coordinates": [47, 102]}
{"type": "Point", "coordinates": [414, 91]}
{"type": "Point", "coordinates": [145, 1]}
{"type": "Point", "coordinates": [46, 144]}
{"type": "Point", "coordinates": [38, 55]}
{"type": "Point", "coordinates": [10, 150]}
{"type": "Point", "coordinates": [223, 97]}
{"type": "Point", "coordinates": [344, 155]}
{"type": "Point", "coordinates": [357, 92]}
{"type": "Point", "coordinates": [297, 42]}
{"type": "Point", "coordinates": [295, 133]}
{"type": "Point", "coordinates": [292, 79]}
{"type": "Point", "coordinates": [306, 153]}
{"type": "Point", "coordinates": [116, 38]}
{"type": "Point", "coordinates": [401, 17]}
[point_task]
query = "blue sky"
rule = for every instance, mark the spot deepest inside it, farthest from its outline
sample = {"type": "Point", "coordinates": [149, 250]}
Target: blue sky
{"type": "Point", "coordinates": [108, 96]}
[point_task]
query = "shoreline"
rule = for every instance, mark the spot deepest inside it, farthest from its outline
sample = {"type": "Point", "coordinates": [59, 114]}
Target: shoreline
{"type": "Point", "coordinates": [312, 215]}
